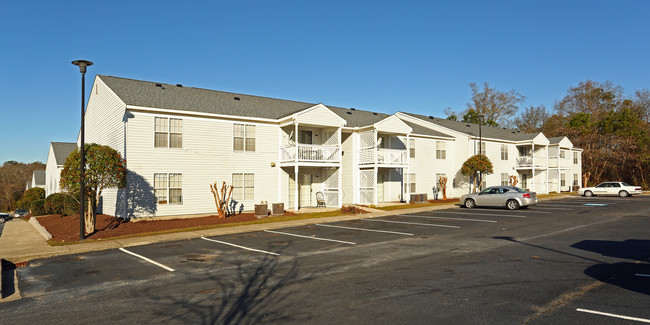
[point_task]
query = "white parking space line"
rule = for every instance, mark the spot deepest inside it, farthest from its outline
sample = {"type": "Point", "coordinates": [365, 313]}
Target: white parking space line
{"type": "Point", "coordinates": [643, 320]}
{"type": "Point", "coordinates": [483, 214]}
{"type": "Point", "coordinates": [412, 223]}
{"type": "Point", "coordinates": [576, 203]}
{"type": "Point", "coordinates": [242, 247]}
{"type": "Point", "coordinates": [443, 218]}
{"type": "Point", "coordinates": [641, 274]}
{"type": "Point", "coordinates": [544, 208]}
{"type": "Point", "coordinates": [148, 260]}
{"type": "Point", "coordinates": [311, 237]}
{"type": "Point", "coordinates": [363, 229]}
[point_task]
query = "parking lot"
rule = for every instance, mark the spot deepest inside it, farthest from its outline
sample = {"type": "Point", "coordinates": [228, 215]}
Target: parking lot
{"type": "Point", "coordinates": [599, 276]}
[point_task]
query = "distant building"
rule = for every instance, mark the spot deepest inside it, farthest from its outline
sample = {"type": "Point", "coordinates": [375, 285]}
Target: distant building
{"type": "Point", "coordinates": [38, 179]}
{"type": "Point", "coordinates": [59, 152]}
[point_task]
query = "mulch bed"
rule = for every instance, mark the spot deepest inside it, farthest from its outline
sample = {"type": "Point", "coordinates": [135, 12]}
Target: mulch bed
{"type": "Point", "coordinates": [66, 229]}
{"type": "Point", "coordinates": [443, 201]}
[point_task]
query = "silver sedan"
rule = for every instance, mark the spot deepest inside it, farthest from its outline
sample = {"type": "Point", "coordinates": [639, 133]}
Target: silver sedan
{"type": "Point", "coordinates": [500, 196]}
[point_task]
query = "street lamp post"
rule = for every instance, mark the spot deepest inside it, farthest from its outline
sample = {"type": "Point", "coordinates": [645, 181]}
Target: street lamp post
{"type": "Point", "coordinates": [480, 148]}
{"type": "Point", "coordinates": [82, 64]}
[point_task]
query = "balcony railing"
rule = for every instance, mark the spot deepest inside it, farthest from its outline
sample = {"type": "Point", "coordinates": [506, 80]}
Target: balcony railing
{"type": "Point", "coordinates": [557, 162]}
{"type": "Point", "coordinates": [311, 153]}
{"type": "Point", "coordinates": [384, 156]}
{"type": "Point", "coordinates": [523, 162]}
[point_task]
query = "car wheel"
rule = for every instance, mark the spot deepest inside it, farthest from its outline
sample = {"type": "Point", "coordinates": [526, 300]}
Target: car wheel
{"type": "Point", "coordinates": [469, 203]}
{"type": "Point", "coordinates": [512, 205]}
{"type": "Point", "coordinates": [2, 220]}
{"type": "Point", "coordinates": [589, 193]}
{"type": "Point", "coordinates": [623, 194]}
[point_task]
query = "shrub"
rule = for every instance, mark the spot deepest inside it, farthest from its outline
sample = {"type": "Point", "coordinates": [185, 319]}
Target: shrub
{"type": "Point", "coordinates": [37, 207]}
{"type": "Point", "coordinates": [55, 203]}
{"type": "Point", "coordinates": [34, 193]}
{"type": "Point", "coordinates": [70, 206]}
{"type": "Point", "coordinates": [351, 209]}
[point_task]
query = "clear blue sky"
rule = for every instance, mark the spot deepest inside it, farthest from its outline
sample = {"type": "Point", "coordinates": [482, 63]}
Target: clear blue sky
{"type": "Point", "coordinates": [414, 56]}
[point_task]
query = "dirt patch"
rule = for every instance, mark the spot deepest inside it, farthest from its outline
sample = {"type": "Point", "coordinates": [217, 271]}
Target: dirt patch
{"type": "Point", "coordinates": [66, 229]}
{"type": "Point", "coordinates": [444, 201]}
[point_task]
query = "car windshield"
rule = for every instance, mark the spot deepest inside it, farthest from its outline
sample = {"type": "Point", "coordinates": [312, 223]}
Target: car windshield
{"type": "Point", "coordinates": [21, 211]}
{"type": "Point", "coordinates": [602, 185]}
{"type": "Point", "coordinates": [626, 184]}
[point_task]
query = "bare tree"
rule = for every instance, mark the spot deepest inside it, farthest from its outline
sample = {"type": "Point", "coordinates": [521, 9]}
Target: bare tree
{"type": "Point", "coordinates": [497, 106]}
{"type": "Point", "coordinates": [532, 119]}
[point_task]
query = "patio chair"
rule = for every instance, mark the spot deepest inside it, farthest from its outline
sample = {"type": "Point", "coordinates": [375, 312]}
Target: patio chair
{"type": "Point", "coordinates": [320, 199]}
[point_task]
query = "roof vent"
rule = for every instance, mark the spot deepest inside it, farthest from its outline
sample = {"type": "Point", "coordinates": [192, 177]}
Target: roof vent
{"type": "Point", "coordinates": [430, 117]}
{"type": "Point", "coordinates": [237, 98]}
{"type": "Point", "coordinates": [467, 125]}
{"type": "Point", "coordinates": [352, 108]}
{"type": "Point", "coordinates": [513, 132]}
{"type": "Point", "coordinates": [159, 85]}
{"type": "Point", "coordinates": [349, 113]}
{"type": "Point", "coordinates": [179, 85]}
{"type": "Point", "coordinates": [374, 113]}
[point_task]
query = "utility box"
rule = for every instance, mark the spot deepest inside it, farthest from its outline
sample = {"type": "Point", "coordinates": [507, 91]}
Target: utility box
{"type": "Point", "coordinates": [261, 210]}
{"type": "Point", "coordinates": [278, 209]}
{"type": "Point", "coordinates": [417, 198]}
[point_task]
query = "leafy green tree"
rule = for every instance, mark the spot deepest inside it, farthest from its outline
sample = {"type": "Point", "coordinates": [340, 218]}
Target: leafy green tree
{"type": "Point", "coordinates": [532, 119]}
{"type": "Point", "coordinates": [475, 167]}
{"type": "Point", "coordinates": [105, 168]}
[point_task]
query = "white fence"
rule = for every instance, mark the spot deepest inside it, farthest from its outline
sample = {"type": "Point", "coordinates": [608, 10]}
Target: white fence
{"type": "Point", "coordinates": [311, 153]}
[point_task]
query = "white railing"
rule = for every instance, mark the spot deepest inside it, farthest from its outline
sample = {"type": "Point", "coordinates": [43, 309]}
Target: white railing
{"type": "Point", "coordinates": [528, 162]}
{"type": "Point", "coordinates": [311, 153]}
{"type": "Point", "coordinates": [557, 162]}
{"type": "Point", "coordinates": [384, 156]}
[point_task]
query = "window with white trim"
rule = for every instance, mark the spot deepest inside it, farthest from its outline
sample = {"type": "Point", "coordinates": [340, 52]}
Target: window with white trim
{"type": "Point", "coordinates": [505, 179]}
{"type": "Point", "coordinates": [575, 158]}
{"type": "Point", "coordinates": [243, 186]}
{"type": "Point", "coordinates": [243, 137]}
{"type": "Point", "coordinates": [483, 146]}
{"type": "Point", "coordinates": [168, 132]}
{"type": "Point", "coordinates": [575, 180]}
{"type": "Point", "coordinates": [504, 152]}
{"type": "Point", "coordinates": [441, 150]}
{"type": "Point", "coordinates": [168, 188]}
{"type": "Point", "coordinates": [412, 148]}
{"type": "Point", "coordinates": [438, 177]}
{"type": "Point", "coordinates": [562, 153]}
{"type": "Point", "coordinates": [411, 182]}
{"type": "Point", "coordinates": [563, 179]}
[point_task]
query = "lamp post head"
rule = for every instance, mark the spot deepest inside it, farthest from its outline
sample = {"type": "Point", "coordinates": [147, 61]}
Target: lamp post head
{"type": "Point", "coordinates": [481, 117]}
{"type": "Point", "coordinates": [82, 64]}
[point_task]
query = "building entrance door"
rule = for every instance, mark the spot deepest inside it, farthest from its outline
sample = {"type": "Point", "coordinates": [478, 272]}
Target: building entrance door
{"type": "Point", "coordinates": [305, 190]}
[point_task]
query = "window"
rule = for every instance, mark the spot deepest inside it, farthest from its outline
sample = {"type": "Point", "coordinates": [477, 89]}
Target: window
{"type": "Point", "coordinates": [524, 151]}
{"type": "Point", "coordinates": [575, 158]}
{"type": "Point", "coordinates": [168, 132]}
{"type": "Point", "coordinates": [168, 188]}
{"type": "Point", "coordinates": [562, 153]}
{"type": "Point", "coordinates": [575, 180]}
{"type": "Point", "coordinates": [412, 148]}
{"type": "Point", "coordinates": [562, 179]}
{"type": "Point", "coordinates": [441, 150]}
{"type": "Point", "coordinates": [243, 137]}
{"type": "Point", "coordinates": [483, 145]}
{"type": "Point", "coordinates": [438, 177]}
{"type": "Point", "coordinates": [504, 152]}
{"type": "Point", "coordinates": [505, 179]}
{"type": "Point", "coordinates": [411, 182]}
{"type": "Point", "coordinates": [243, 186]}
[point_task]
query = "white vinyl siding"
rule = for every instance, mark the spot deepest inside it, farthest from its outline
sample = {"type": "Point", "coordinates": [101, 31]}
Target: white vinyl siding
{"type": "Point", "coordinates": [243, 137]}
{"type": "Point", "coordinates": [441, 150]}
{"type": "Point", "coordinates": [243, 186]}
{"type": "Point", "coordinates": [504, 152]}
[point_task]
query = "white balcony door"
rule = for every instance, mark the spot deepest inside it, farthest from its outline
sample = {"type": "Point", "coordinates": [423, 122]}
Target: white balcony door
{"type": "Point", "coordinates": [306, 191]}
{"type": "Point", "coordinates": [380, 187]}
{"type": "Point", "coordinates": [305, 137]}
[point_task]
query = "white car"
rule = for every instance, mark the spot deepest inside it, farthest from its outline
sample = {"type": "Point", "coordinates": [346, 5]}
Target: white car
{"type": "Point", "coordinates": [621, 189]}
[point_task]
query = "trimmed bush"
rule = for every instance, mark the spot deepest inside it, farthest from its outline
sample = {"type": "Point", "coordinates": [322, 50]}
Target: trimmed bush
{"type": "Point", "coordinates": [34, 193]}
{"type": "Point", "coordinates": [55, 203]}
{"type": "Point", "coordinates": [37, 207]}
{"type": "Point", "coordinates": [70, 206]}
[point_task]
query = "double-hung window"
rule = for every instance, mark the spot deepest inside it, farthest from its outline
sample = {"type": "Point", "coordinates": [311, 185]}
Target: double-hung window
{"type": "Point", "coordinates": [562, 179]}
{"type": "Point", "coordinates": [562, 153]}
{"type": "Point", "coordinates": [243, 186]}
{"type": "Point", "coordinates": [412, 148]}
{"type": "Point", "coordinates": [504, 152]}
{"type": "Point", "coordinates": [575, 180]}
{"type": "Point", "coordinates": [441, 150]}
{"type": "Point", "coordinates": [505, 179]}
{"type": "Point", "coordinates": [243, 137]}
{"type": "Point", "coordinates": [482, 149]}
{"type": "Point", "coordinates": [168, 188]}
{"type": "Point", "coordinates": [168, 132]}
{"type": "Point", "coordinates": [411, 182]}
{"type": "Point", "coordinates": [575, 158]}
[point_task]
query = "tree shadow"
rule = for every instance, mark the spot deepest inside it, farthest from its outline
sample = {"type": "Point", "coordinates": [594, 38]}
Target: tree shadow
{"type": "Point", "coordinates": [250, 293]}
{"type": "Point", "coordinates": [137, 199]}
{"type": "Point", "coordinates": [632, 276]}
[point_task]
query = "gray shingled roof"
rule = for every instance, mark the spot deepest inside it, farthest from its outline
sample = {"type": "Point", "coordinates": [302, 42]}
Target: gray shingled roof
{"type": "Point", "coordinates": [62, 150]}
{"type": "Point", "coordinates": [555, 140]}
{"type": "Point", "coordinates": [39, 177]}
{"type": "Point", "coordinates": [418, 129]}
{"type": "Point", "coordinates": [472, 129]}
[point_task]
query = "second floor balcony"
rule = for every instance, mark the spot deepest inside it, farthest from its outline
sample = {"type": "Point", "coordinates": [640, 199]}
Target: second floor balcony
{"type": "Point", "coordinates": [310, 153]}
{"type": "Point", "coordinates": [383, 156]}
{"type": "Point", "coordinates": [531, 162]}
